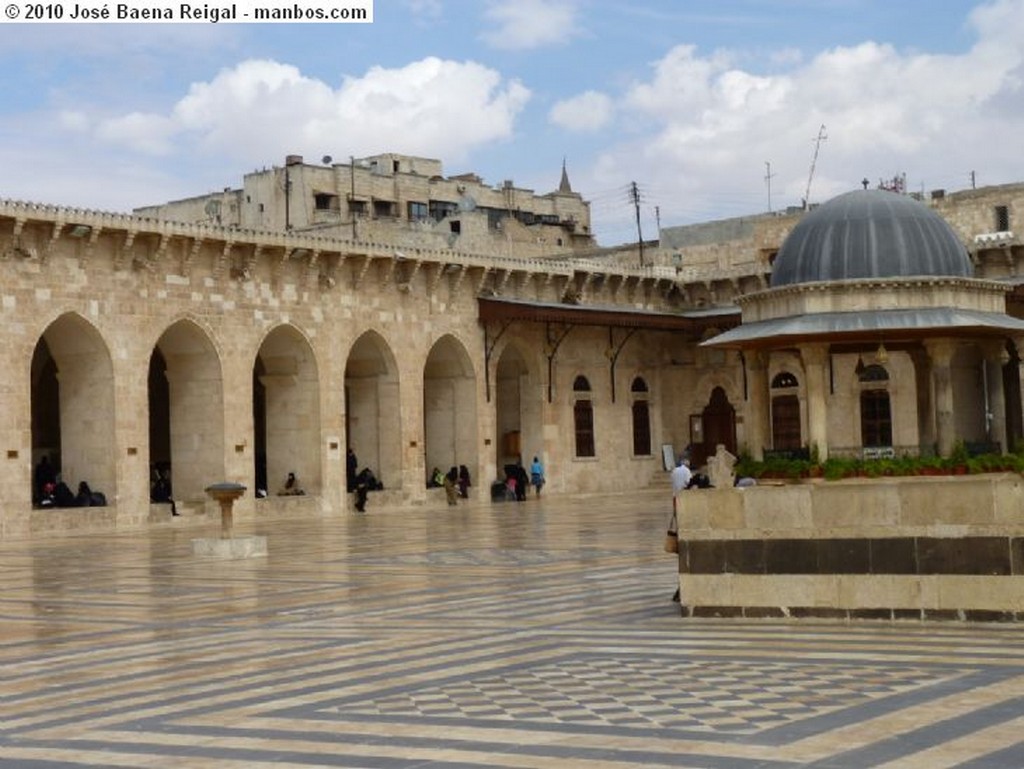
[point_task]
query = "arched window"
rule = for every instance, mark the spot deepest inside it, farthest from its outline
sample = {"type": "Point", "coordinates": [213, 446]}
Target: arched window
{"type": "Point", "coordinates": [641, 419]}
{"type": "Point", "coordinates": [874, 373]}
{"type": "Point", "coordinates": [875, 418]}
{"type": "Point", "coordinates": [784, 379]}
{"type": "Point", "coordinates": [785, 413]}
{"type": "Point", "coordinates": [875, 407]}
{"type": "Point", "coordinates": [583, 417]}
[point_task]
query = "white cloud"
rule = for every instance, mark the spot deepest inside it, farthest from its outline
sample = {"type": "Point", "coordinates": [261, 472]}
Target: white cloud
{"type": "Point", "coordinates": [426, 9]}
{"type": "Point", "coordinates": [703, 128]}
{"type": "Point", "coordinates": [151, 134]}
{"type": "Point", "coordinates": [74, 120]}
{"type": "Point", "coordinates": [265, 109]}
{"type": "Point", "coordinates": [589, 111]}
{"type": "Point", "coordinates": [523, 24]}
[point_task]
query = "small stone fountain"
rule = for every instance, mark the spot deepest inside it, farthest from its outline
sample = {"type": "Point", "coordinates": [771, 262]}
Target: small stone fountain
{"type": "Point", "coordinates": [228, 545]}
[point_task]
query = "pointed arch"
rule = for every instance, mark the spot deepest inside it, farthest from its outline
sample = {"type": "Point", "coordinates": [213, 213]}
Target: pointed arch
{"type": "Point", "coordinates": [286, 411]}
{"type": "Point", "coordinates": [718, 426]}
{"type": "Point", "coordinates": [518, 404]}
{"type": "Point", "coordinates": [186, 409]}
{"type": "Point", "coordinates": [449, 407]}
{"type": "Point", "coordinates": [373, 423]}
{"type": "Point", "coordinates": [73, 405]}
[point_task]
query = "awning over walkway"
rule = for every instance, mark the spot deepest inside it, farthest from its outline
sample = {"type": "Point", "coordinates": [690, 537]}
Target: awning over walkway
{"type": "Point", "coordinates": [491, 309]}
{"type": "Point", "coordinates": [904, 324]}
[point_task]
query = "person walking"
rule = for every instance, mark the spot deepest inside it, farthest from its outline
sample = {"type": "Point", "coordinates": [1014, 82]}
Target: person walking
{"type": "Point", "coordinates": [451, 489]}
{"type": "Point", "coordinates": [537, 475]}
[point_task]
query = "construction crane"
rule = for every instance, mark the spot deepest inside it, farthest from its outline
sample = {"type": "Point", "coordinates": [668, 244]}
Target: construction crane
{"type": "Point", "coordinates": [817, 146]}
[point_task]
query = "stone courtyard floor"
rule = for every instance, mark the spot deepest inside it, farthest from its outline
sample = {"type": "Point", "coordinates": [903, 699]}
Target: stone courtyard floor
{"type": "Point", "coordinates": [537, 634]}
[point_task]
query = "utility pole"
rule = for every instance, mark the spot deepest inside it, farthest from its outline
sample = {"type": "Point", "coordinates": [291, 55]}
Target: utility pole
{"type": "Point", "coordinates": [817, 146]}
{"type": "Point", "coordinates": [634, 192]}
{"type": "Point", "coordinates": [768, 179]}
{"type": "Point", "coordinates": [973, 181]}
{"type": "Point", "coordinates": [287, 196]}
{"type": "Point", "coordinates": [352, 193]}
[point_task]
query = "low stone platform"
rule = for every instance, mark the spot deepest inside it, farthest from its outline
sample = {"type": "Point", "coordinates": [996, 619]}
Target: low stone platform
{"type": "Point", "coordinates": [947, 548]}
{"type": "Point", "coordinates": [232, 548]}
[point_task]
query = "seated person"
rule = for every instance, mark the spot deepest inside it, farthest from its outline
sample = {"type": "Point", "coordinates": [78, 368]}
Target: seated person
{"type": "Point", "coordinates": [161, 491]}
{"type": "Point", "coordinates": [291, 487]}
{"type": "Point", "coordinates": [88, 498]}
{"type": "Point", "coordinates": [84, 497]}
{"type": "Point", "coordinates": [48, 497]}
{"type": "Point", "coordinates": [62, 496]}
{"type": "Point", "coordinates": [365, 482]}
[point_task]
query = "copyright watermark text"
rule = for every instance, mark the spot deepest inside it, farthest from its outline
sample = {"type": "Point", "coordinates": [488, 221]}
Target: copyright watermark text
{"type": "Point", "coordinates": [149, 12]}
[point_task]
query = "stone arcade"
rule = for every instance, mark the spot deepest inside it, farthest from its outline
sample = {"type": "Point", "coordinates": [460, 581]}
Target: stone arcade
{"type": "Point", "coordinates": [224, 353]}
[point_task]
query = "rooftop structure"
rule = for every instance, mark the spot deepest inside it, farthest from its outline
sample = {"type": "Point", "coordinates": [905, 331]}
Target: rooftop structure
{"type": "Point", "coordinates": [400, 199]}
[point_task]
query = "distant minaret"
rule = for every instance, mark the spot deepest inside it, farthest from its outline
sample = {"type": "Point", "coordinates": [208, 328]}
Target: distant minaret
{"type": "Point", "coordinates": [564, 186]}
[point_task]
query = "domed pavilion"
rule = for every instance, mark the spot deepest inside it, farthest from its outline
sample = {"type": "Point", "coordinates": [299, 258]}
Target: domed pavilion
{"type": "Point", "coordinates": [875, 338]}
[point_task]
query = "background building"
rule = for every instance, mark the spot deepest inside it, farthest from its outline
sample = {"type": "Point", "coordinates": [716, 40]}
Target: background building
{"type": "Point", "coordinates": [399, 200]}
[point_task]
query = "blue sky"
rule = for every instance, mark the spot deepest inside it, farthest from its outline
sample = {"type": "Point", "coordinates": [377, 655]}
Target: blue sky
{"type": "Point", "coordinates": [690, 99]}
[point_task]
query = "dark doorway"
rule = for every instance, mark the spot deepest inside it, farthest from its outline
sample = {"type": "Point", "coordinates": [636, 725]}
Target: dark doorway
{"type": "Point", "coordinates": [719, 426]}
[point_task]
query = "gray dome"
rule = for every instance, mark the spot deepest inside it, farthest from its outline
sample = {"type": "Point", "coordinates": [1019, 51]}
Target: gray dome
{"type": "Point", "coordinates": [870, 234]}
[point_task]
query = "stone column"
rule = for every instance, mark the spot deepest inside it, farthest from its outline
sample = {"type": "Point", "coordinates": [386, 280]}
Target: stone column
{"type": "Point", "coordinates": [941, 353]}
{"type": "Point", "coordinates": [993, 354]}
{"type": "Point", "coordinates": [925, 408]}
{"type": "Point", "coordinates": [815, 359]}
{"type": "Point", "coordinates": [758, 429]}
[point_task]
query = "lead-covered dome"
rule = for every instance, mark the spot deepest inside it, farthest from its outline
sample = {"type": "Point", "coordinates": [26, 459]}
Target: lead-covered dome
{"type": "Point", "coordinates": [870, 234]}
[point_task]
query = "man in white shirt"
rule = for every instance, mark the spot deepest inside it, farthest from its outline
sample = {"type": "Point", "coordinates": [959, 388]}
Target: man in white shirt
{"type": "Point", "coordinates": [681, 476]}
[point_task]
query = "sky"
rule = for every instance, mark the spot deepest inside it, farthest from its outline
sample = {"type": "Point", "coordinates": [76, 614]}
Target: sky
{"type": "Point", "coordinates": [712, 108]}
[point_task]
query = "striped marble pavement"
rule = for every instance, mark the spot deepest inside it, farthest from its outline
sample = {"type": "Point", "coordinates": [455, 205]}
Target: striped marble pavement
{"type": "Point", "coordinates": [536, 634]}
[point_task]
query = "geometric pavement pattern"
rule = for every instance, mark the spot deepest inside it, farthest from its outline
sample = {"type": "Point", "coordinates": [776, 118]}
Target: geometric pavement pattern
{"type": "Point", "coordinates": [537, 634]}
{"type": "Point", "coordinates": [711, 695]}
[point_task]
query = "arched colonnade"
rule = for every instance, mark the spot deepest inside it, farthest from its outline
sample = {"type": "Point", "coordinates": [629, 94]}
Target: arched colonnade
{"type": "Point", "coordinates": [201, 424]}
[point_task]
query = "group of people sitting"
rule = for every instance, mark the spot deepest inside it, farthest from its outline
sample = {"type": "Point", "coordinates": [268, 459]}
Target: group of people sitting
{"type": "Point", "coordinates": [50, 491]}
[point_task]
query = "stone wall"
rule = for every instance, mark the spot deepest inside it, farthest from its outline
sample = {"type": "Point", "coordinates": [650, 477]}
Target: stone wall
{"type": "Point", "coordinates": [900, 548]}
